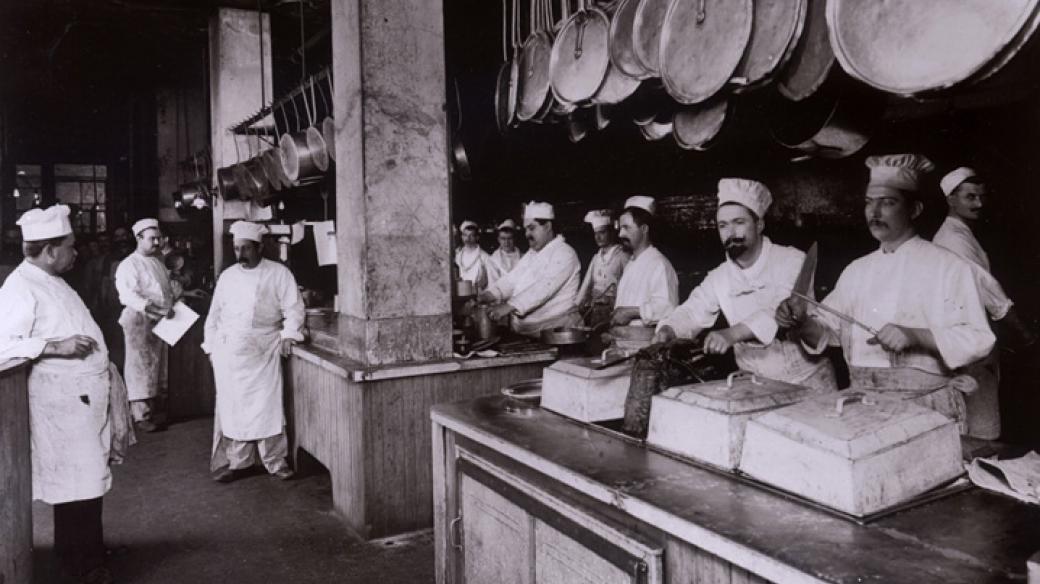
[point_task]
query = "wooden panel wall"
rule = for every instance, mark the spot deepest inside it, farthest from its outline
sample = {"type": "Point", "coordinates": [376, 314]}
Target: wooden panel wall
{"type": "Point", "coordinates": [15, 479]}
{"type": "Point", "coordinates": [375, 438]}
{"type": "Point", "coordinates": [192, 389]}
{"type": "Point", "coordinates": [686, 564]}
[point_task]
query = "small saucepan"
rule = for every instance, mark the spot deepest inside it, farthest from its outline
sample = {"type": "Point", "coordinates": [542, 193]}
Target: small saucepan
{"type": "Point", "coordinates": [565, 335]}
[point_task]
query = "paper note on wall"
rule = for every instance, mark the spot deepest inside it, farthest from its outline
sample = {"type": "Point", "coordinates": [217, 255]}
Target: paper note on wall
{"type": "Point", "coordinates": [325, 242]}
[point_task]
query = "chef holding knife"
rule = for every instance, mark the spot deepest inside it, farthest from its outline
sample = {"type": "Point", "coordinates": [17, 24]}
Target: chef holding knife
{"type": "Point", "coordinates": [919, 300]}
{"type": "Point", "coordinates": [756, 276]}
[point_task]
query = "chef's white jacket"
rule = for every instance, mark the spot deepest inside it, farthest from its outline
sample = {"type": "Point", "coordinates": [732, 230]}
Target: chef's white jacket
{"type": "Point", "coordinates": [955, 235]}
{"type": "Point", "coordinates": [501, 263]}
{"type": "Point", "coordinates": [543, 286]}
{"type": "Point", "coordinates": [605, 269]}
{"type": "Point", "coordinates": [649, 284]}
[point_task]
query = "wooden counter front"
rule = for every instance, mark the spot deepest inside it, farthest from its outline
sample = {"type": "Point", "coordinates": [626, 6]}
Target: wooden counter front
{"type": "Point", "coordinates": [371, 429]}
{"type": "Point", "coordinates": [15, 475]}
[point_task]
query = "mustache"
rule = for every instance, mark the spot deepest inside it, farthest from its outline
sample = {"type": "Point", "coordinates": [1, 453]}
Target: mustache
{"type": "Point", "coordinates": [877, 223]}
{"type": "Point", "coordinates": [735, 241]}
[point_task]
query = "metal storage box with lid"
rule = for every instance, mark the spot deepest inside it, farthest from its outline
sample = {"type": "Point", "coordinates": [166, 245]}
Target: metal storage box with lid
{"type": "Point", "coordinates": [858, 452]}
{"type": "Point", "coordinates": [705, 421]}
{"type": "Point", "coordinates": [577, 389]}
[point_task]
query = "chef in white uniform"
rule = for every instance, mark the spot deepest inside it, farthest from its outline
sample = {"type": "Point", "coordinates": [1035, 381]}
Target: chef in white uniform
{"type": "Point", "coordinates": [70, 384]}
{"type": "Point", "coordinates": [507, 256]}
{"type": "Point", "coordinates": [147, 295]}
{"type": "Point", "coordinates": [747, 288]}
{"type": "Point", "coordinates": [255, 319]}
{"type": "Point", "coordinates": [966, 197]}
{"type": "Point", "coordinates": [541, 292]}
{"type": "Point", "coordinates": [471, 260]}
{"type": "Point", "coordinates": [599, 287]}
{"type": "Point", "coordinates": [920, 298]}
{"type": "Point", "coordinates": [649, 289]}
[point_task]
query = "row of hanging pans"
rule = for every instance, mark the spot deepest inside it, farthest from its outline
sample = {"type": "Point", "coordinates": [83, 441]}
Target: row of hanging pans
{"type": "Point", "coordinates": [303, 151]}
{"type": "Point", "coordinates": [686, 62]}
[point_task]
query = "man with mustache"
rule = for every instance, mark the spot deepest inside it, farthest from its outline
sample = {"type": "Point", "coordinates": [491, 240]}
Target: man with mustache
{"type": "Point", "coordinates": [147, 295]}
{"type": "Point", "coordinates": [920, 299]}
{"type": "Point", "coordinates": [649, 288]}
{"type": "Point", "coordinates": [966, 197]}
{"type": "Point", "coordinates": [599, 288]}
{"type": "Point", "coordinates": [255, 319]}
{"type": "Point", "coordinates": [747, 288]}
{"type": "Point", "coordinates": [541, 291]}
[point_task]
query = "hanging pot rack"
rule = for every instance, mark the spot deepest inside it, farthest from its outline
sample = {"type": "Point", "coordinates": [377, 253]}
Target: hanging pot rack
{"type": "Point", "coordinates": [246, 126]}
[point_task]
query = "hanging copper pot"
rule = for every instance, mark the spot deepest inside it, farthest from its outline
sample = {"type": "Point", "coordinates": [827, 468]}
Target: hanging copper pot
{"type": "Point", "coordinates": [534, 99]}
{"type": "Point", "coordinates": [702, 43]}
{"type": "Point", "coordinates": [298, 150]}
{"type": "Point", "coordinates": [508, 74]}
{"type": "Point", "coordinates": [580, 55]}
{"type": "Point", "coordinates": [328, 124]}
{"type": "Point", "coordinates": [272, 159]}
{"type": "Point", "coordinates": [812, 59]}
{"type": "Point", "coordinates": [776, 27]}
{"type": "Point", "coordinates": [622, 49]}
{"type": "Point", "coordinates": [226, 186]}
{"type": "Point", "coordinates": [836, 122]}
{"type": "Point", "coordinates": [646, 34]}
{"type": "Point", "coordinates": [698, 127]}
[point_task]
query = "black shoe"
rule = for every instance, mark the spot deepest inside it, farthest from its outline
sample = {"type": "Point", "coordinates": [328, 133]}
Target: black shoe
{"type": "Point", "coordinates": [283, 474]}
{"type": "Point", "coordinates": [147, 426]}
{"type": "Point", "coordinates": [98, 575]}
{"type": "Point", "coordinates": [227, 474]}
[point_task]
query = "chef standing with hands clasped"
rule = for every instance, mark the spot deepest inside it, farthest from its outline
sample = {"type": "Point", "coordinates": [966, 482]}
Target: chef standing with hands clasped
{"type": "Point", "coordinates": [255, 319]}
{"type": "Point", "coordinates": [918, 300]}
{"type": "Point", "coordinates": [79, 419]}
{"type": "Point", "coordinates": [147, 296]}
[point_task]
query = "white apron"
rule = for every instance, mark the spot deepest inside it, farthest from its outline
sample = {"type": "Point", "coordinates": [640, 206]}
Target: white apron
{"type": "Point", "coordinates": [70, 434]}
{"type": "Point", "coordinates": [248, 372]}
{"type": "Point", "coordinates": [144, 369]}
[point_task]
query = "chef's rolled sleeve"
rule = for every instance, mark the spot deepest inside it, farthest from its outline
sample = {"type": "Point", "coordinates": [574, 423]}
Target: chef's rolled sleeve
{"type": "Point", "coordinates": [700, 311]}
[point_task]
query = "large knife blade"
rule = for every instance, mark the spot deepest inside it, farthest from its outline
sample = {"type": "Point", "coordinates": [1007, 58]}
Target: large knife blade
{"type": "Point", "coordinates": [803, 283]}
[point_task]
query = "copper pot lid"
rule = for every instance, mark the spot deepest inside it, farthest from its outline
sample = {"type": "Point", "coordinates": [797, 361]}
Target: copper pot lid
{"type": "Point", "coordinates": [702, 43]}
{"type": "Point", "coordinates": [534, 76]}
{"type": "Point", "coordinates": [696, 127]}
{"type": "Point", "coordinates": [914, 46]}
{"type": "Point", "coordinates": [646, 34]}
{"type": "Point", "coordinates": [317, 149]}
{"type": "Point", "coordinates": [622, 51]}
{"type": "Point", "coordinates": [503, 88]}
{"type": "Point", "coordinates": [580, 56]}
{"type": "Point", "coordinates": [775, 30]}
{"type": "Point", "coordinates": [830, 124]}
{"type": "Point", "coordinates": [616, 87]}
{"type": "Point", "coordinates": [812, 59]}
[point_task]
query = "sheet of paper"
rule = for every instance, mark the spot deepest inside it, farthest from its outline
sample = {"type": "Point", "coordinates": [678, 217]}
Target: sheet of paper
{"type": "Point", "coordinates": [298, 230]}
{"type": "Point", "coordinates": [171, 329]}
{"type": "Point", "coordinates": [325, 242]}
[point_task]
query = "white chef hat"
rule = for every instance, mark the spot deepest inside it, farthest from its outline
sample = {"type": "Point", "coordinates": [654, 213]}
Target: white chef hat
{"type": "Point", "coordinates": [749, 193]}
{"type": "Point", "coordinates": [954, 179]}
{"type": "Point", "coordinates": [898, 171]}
{"type": "Point", "coordinates": [39, 224]}
{"type": "Point", "coordinates": [641, 202]}
{"type": "Point", "coordinates": [248, 230]}
{"type": "Point", "coordinates": [507, 224]}
{"type": "Point", "coordinates": [598, 218]}
{"type": "Point", "coordinates": [538, 210]}
{"type": "Point", "coordinates": [467, 224]}
{"type": "Point", "coordinates": [143, 224]}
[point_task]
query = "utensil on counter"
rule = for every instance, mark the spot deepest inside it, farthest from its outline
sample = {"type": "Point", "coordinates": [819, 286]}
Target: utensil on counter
{"type": "Point", "coordinates": [564, 336]}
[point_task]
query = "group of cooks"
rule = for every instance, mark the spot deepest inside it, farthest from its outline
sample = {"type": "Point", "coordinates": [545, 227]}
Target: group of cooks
{"type": "Point", "coordinates": [911, 318]}
{"type": "Point", "coordinates": [83, 412]}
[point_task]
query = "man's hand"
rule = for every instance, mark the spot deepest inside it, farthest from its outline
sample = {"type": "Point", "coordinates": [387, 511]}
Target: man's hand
{"type": "Point", "coordinates": [74, 347]}
{"type": "Point", "coordinates": [894, 338]}
{"type": "Point", "coordinates": [624, 315]}
{"type": "Point", "coordinates": [486, 297]}
{"type": "Point", "coordinates": [154, 311]}
{"type": "Point", "coordinates": [719, 342]}
{"type": "Point", "coordinates": [286, 347]}
{"type": "Point", "coordinates": [791, 313]}
{"type": "Point", "coordinates": [500, 311]}
{"type": "Point", "coordinates": [665, 334]}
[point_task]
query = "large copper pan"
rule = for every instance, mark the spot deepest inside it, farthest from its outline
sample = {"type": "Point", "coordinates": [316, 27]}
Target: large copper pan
{"type": "Point", "coordinates": [916, 46]}
{"type": "Point", "coordinates": [836, 122]}
{"type": "Point", "coordinates": [646, 34]}
{"type": "Point", "coordinates": [580, 55]}
{"type": "Point", "coordinates": [775, 30]}
{"type": "Point", "coordinates": [535, 95]}
{"type": "Point", "coordinates": [702, 43]}
{"type": "Point", "coordinates": [698, 127]}
{"type": "Point", "coordinates": [812, 59]}
{"type": "Point", "coordinates": [616, 86]}
{"type": "Point", "coordinates": [226, 186]}
{"type": "Point", "coordinates": [622, 51]}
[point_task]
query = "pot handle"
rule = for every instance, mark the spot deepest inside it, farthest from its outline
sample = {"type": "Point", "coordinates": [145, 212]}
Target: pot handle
{"type": "Point", "coordinates": [701, 14]}
{"type": "Point", "coordinates": [839, 404]}
{"type": "Point", "coordinates": [741, 375]}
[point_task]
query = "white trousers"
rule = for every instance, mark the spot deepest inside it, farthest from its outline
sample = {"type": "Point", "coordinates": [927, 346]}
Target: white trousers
{"type": "Point", "coordinates": [272, 450]}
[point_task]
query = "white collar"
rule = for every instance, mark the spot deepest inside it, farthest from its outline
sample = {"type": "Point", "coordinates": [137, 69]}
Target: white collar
{"type": "Point", "coordinates": [754, 271]}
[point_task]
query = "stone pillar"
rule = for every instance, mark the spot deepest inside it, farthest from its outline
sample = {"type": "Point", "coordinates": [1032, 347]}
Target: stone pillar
{"type": "Point", "coordinates": [392, 210]}
{"type": "Point", "coordinates": [235, 76]}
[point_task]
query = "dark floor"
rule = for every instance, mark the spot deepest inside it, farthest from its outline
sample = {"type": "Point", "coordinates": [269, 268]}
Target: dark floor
{"type": "Point", "coordinates": [180, 526]}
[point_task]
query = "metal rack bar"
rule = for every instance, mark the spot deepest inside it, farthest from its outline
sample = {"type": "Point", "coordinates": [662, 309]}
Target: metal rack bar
{"type": "Point", "coordinates": [244, 126]}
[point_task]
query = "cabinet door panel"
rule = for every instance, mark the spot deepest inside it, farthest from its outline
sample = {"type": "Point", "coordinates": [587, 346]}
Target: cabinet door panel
{"type": "Point", "coordinates": [561, 560]}
{"type": "Point", "coordinates": [497, 537]}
